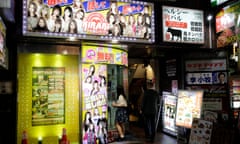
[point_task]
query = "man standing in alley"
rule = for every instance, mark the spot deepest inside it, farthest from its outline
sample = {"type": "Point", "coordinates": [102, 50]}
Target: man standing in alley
{"type": "Point", "coordinates": [149, 110]}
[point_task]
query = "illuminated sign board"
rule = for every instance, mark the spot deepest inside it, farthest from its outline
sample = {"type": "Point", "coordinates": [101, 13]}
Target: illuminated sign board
{"type": "Point", "coordinates": [104, 55]}
{"type": "Point", "coordinates": [182, 25]}
{"type": "Point", "coordinates": [228, 25]}
{"type": "Point", "coordinates": [3, 48]}
{"type": "Point", "coordinates": [169, 113]}
{"type": "Point", "coordinates": [122, 20]}
{"type": "Point", "coordinates": [189, 106]}
{"type": "Point", "coordinates": [217, 2]}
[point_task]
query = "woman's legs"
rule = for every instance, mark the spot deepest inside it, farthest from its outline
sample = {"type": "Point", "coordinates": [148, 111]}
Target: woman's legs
{"type": "Point", "coordinates": [123, 128]}
{"type": "Point", "coordinates": [120, 129]}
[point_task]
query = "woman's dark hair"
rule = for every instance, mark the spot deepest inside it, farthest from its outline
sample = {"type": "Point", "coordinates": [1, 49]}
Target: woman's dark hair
{"type": "Point", "coordinates": [70, 10]}
{"type": "Point", "coordinates": [57, 7]}
{"type": "Point", "coordinates": [102, 78]}
{"type": "Point", "coordinates": [90, 69]}
{"type": "Point", "coordinates": [120, 91]}
{"type": "Point", "coordinates": [82, 11]}
{"type": "Point", "coordinates": [85, 119]}
{"type": "Point", "coordinates": [35, 8]}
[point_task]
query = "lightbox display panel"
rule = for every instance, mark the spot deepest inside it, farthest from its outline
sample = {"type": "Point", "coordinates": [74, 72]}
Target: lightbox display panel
{"type": "Point", "coordinates": [3, 48]}
{"type": "Point", "coordinates": [189, 106]}
{"type": "Point", "coordinates": [181, 25]}
{"type": "Point", "coordinates": [228, 25]}
{"type": "Point", "coordinates": [122, 20]}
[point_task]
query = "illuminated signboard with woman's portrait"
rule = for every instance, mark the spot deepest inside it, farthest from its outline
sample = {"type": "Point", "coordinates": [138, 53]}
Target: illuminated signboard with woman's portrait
{"type": "Point", "coordinates": [130, 21]}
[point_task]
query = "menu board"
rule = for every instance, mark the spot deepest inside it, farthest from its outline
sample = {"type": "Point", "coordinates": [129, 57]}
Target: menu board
{"type": "Point", "coordinates": [189, 106]}
{"type": "Point", "coordinates": [126, 20]}
{"type": "Point", "coordinates": [201, 132]}
{"type": "Point", "coordinates": [48, 93]}
{"type": "Point", "coordinates": [182, 25]}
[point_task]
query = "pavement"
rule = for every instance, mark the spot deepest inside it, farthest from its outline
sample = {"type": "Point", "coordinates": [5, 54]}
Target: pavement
{"type": "Point", "coordinates": [136, 135]}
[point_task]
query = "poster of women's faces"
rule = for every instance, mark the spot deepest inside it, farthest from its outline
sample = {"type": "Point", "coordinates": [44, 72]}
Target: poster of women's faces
{"type": "Point", "coordinates": [94, 94]}
{"type": "Point", "coordinates": [96, 19]}
{"type": "Point", "coordinates": [94, 85]}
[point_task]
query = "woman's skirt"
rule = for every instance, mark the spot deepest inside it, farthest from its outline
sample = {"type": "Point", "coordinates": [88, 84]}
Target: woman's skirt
{"type": "Point", "coordinates": [121, 115]}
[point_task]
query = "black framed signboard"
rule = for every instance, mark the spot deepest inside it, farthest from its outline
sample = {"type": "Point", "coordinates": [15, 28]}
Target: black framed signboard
{"type": "Point", "coordinates": [182, 25]}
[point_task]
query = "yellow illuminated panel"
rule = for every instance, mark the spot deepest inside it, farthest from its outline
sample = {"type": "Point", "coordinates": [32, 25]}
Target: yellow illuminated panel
{"type": "Point", "coordinates": [104, 55]}
{"type": "Point", "coordinates": [47, 133]}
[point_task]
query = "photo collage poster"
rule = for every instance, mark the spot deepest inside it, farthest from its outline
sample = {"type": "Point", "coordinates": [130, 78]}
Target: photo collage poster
{"type": "Point", "coordinates": [125, 21]}
{"type": "Point", "coordinates": [94, 93]}
{"type": "Point", "coordinates": [48, 94]}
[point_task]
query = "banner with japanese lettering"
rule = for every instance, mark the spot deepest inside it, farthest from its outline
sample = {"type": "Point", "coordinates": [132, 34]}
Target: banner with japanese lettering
{"type": "Point", "coordinates": [127, 20]}
{"type": "Point", "coordinates": [103, 54]}
{"type": "Point", "coordinates": [182, 25]}
{"type": "Point", "coordinates": [206, 65]}
{"type": "Point", "coordinates": [208, 75]}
